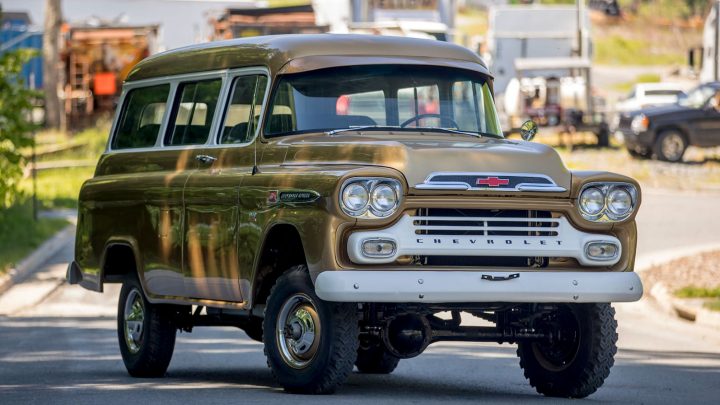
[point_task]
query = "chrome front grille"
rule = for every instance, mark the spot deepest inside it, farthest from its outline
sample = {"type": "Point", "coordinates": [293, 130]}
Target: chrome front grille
{"type": "Point", "coordinates": [480, 222]}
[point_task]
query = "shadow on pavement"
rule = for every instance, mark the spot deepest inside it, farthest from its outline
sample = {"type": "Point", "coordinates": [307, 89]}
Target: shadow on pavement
{"type": "Point", "coordinates": [76, 360]}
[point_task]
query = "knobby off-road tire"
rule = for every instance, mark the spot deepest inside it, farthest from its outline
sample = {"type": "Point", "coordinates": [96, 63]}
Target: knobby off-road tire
{"type": "Point", "coordinates": [310, 344]}
{"type": "Point", "coordinates": [376, 360]}
{"type": "Point", "coordinates": [578, 372]}
{"type": "Point", "coordinates": [254, 330]}
{"type": "Point", "coordinates": [146, 332]}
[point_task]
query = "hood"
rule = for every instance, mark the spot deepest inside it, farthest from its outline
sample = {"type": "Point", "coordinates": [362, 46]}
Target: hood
{"type": "Point", "coordinates": [660, 110]}
{"type": "Point", "coordinates": [420, 155]}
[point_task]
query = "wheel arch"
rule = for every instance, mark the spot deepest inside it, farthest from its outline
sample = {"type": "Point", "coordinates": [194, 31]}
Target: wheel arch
{"type": "Point", "coordinates": [672, 127]}
{"type": "Point", "coordinates": [120, 258]}
{"type": "Point", "coordinates": [282, 247]}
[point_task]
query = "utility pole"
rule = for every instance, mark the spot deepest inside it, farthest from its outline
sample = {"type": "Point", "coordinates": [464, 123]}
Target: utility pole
{"type": "Point", "coordinates": [716, 60]}
{"type": "Point", "coordinates": [51, 62]}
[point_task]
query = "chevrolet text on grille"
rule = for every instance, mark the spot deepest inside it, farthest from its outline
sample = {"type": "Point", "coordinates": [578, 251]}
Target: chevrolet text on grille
{"type": "Point", "coordinates": [438, 241]}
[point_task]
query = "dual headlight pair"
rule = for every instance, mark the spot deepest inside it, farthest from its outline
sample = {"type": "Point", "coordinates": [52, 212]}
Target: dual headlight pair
{"type": "Point", "coordinates": [370, 197]}
{"type": "Point", "coordinates": [603, 202]}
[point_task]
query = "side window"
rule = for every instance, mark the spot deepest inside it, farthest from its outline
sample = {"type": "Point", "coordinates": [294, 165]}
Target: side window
{"type": "Point", "coordinates": [243, 111]}
{"type": "Point", "coordinates": [193, 112]}
{"type": "Point", "coordinates": [141, 116]}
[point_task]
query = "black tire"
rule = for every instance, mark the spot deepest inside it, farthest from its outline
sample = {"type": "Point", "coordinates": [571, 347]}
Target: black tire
{"type": "Point", "coordinates": [670, 145]}
{"type": "Point", "coordinates": [638, 155]}
{"type": "Point", "coordinates": [150, 352]}
{"type": "Point", "coordinates": [376, 360]}
{"type": "Point", "coordinates": [254, 329]}
{"type": "Point", "coordinates": [328, 361]}
{"type": "Point", "coordinates": [573, 370]}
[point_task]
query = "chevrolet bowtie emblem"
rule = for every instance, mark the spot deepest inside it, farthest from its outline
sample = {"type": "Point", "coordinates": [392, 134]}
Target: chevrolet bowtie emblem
{"type": "Point", "coordinates": [492, 182]}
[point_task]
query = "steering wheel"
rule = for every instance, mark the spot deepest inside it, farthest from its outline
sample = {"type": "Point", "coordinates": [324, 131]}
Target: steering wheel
{"type": "Point", "coordinates": [418, 117]}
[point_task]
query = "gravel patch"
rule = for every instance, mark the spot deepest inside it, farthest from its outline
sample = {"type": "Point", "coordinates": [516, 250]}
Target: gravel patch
{"type": "Point", "coordinates": [701, 270]}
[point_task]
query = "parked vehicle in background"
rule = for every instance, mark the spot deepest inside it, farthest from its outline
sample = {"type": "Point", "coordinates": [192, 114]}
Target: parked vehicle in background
{"type": "Point", "coordinates": [645, 95]}
{"type": "Point", "coordinates": [335, 196]}
{"type": "Point", "coordinates": [665, 132]}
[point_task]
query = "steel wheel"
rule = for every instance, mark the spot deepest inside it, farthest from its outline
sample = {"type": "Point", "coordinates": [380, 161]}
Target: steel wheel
{"type": "Point", "coordinates": [673, 146]}
{"type": "Point", "coordinates": [133, 321]}
{"type": "Point", "coordinates": [559, 355]}
{"type": "Point", "coordinates": [298, 331]}
{"type": "Point", "coordinates": [670, 146]}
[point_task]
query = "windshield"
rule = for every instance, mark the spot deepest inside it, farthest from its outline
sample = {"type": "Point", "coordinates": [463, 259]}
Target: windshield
{"type": "Point", "coordinates": [400, 97]}
{"type": "Point", "coordinates": [697, 98]}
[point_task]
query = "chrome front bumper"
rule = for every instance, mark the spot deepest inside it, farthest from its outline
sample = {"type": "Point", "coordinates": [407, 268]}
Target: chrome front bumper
{"type": "Point", "coordinates": [478, 286]}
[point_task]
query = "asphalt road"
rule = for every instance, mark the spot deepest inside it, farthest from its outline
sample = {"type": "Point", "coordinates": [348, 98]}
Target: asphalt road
{"type": "Point", "coordinates": [63, 349]}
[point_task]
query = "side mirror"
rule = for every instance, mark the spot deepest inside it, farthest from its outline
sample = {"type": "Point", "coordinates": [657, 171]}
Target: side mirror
{"type": "Point", "coordinates": [528, 130]}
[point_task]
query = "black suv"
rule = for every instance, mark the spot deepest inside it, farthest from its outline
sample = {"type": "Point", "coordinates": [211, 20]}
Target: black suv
{"type": "Point", "coordinates": [666, 131]}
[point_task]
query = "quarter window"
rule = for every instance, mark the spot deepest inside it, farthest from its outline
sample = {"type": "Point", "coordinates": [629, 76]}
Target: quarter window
{"type": "Point", "coordinates": [243, 112]}
{"type": "Point", "coordinates": [193, 112]}
{"type": "Point", "coordinates": [141, 117]}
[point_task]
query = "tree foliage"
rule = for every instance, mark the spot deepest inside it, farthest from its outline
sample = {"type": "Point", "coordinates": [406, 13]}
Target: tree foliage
{"type": "Point", "coordinates": [15, 125]}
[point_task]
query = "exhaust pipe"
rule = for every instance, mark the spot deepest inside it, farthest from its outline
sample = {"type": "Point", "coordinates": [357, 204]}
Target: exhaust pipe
{"type": "Point", "coordinates": [407, 335]}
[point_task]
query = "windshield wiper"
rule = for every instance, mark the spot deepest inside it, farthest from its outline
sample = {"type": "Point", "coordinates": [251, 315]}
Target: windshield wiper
{"type": "Point", "coordinates": [361, 128]}
{"type": "Point", "coordinates": [457, 131]}
{"type": "Point", "coordinates": [426, 129]}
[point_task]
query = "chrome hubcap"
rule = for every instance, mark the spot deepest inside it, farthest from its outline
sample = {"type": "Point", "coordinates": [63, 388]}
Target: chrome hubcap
{"type": "Point", "coordinates": [134, 315]}
{"type": "Point", "coordinates": [672, 147]}
{"type": "Point", "coordinates": [298, 331]}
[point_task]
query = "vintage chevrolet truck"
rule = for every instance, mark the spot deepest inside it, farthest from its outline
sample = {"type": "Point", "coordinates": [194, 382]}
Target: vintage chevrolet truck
{"type": "Point", "coordinates": [349, 200]}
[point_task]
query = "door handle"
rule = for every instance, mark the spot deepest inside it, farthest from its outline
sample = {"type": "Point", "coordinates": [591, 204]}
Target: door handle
{"type": "Point", "coordinates": [205, 158]}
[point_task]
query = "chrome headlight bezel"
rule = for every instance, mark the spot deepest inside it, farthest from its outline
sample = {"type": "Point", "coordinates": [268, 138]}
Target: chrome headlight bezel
{"type": "Point", "coordinates": [369, 210]}
{"type": "Point", "coordinates": [606, 214]}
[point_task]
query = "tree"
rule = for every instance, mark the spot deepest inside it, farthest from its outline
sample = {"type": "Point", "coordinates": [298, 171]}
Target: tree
{"type": "Point", "coordinates": [15, 126]}
{"type": "Point", "coordinates": [51, 59]}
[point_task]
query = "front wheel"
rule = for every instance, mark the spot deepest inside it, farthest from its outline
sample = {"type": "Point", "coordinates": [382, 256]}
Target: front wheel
{"type": "Point", "coordinates": [310, 344]}
{"type": "Point", "coordinates": [670, 146]}
{"type": "Point", "coordinates": [146, 332]}
{"type": "Point", "coordinates": [578, 360]}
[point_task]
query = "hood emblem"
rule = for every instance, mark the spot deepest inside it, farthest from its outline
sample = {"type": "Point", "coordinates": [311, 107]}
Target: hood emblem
{"type": "Point", "coordinates": [463, 181]}
{"type": "Point", "coordinates": [492, 182]}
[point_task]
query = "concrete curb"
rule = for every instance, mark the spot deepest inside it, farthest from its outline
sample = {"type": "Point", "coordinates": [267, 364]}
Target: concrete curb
{"type": "Point", "coordinates": [32, 262]}
{"type": "Point", "coordinates": [678, 307]}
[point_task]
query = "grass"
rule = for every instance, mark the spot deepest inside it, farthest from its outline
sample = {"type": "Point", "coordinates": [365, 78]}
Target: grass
{"type": "Point", "coordinates": [643, 78]}
{"type": "Point", "coordinates": [20, 235]}
{"type": "Point", "coordinates": [58, 188]}
{"type": "Point", "coordinates": [698, 292]}
{"type": "Point", "coordinates": [621, 50]}
{"type": "Point", "coordinates": [713, 305]}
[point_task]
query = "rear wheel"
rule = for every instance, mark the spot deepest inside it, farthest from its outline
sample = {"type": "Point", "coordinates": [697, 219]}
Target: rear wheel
{"type": "Point", "coordinates": [146, 332]}
{"type": "Point", "coordinates": [376, 360]}
{"type": "Point", "coordinates": [670, 146]}
{"type": "Point", "coordinates": [310, 344]}
{"type": "Point", "coordinates": [578, 360]}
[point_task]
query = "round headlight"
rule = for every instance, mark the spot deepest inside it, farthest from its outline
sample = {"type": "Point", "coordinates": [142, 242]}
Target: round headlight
{"type": "Point", "coordinates": [619, 202]}
{"type": "Point", "coordinates": [640, 123]}
{"type": "Point", "coordinates": [383, 198]}
{"type": "Point", "coordinates": [354, 197]}
{"type": "Point", "coordinates": [592, 201]}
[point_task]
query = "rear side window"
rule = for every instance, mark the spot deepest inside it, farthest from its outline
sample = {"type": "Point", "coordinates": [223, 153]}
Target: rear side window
{"type": "Point", "coordinates": [141, 117]}
{"type": "Point", "coordinates": [243, 112]}
{"type": "Point", "coordinates": [193, 112]}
